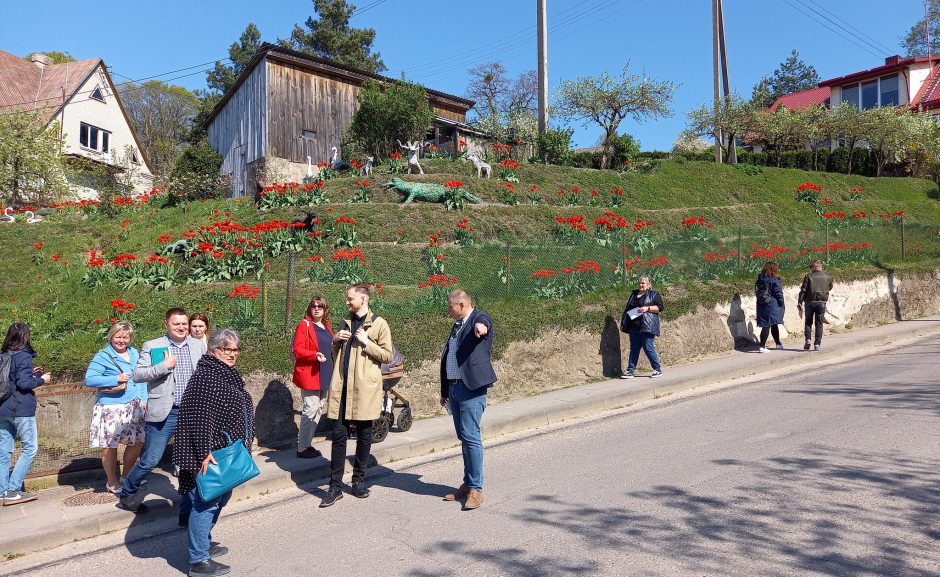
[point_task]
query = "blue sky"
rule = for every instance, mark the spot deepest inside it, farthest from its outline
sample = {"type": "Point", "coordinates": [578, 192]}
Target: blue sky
{"type": "Point", "coordinates": [435, 42]}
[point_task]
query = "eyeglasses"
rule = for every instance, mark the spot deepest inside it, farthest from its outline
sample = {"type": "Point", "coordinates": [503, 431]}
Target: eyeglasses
{"type": "Point", "coordinates": [230, 351]}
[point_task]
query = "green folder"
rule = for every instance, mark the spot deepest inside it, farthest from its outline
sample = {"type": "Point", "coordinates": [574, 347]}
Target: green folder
{"type": "Point", "coordinates": [157, 355]}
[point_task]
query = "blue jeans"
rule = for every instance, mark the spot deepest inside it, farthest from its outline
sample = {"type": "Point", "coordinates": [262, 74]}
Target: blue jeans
{"type": "Point", "coordinates": [467, 408]}
{"type": "Point", "coordinates": [156, 438]}
{"type": "Point", "coordinates": [10, 429]}
{"type": "Point", "coordinates": [202, 519]}
{"type": "Point", "coordinates": [642, 341]}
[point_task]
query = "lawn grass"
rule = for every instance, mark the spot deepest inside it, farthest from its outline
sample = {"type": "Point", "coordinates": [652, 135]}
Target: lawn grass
{"type": "Point", "coordinates": [744, 208]}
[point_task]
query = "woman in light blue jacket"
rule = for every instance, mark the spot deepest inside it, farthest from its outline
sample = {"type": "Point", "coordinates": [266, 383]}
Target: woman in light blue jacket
{"type": "Point", "coordinates": [121, 405]}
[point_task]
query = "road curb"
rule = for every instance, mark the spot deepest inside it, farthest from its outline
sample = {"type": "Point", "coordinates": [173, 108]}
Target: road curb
{"type": "Point", "coordinates": [436, 434]}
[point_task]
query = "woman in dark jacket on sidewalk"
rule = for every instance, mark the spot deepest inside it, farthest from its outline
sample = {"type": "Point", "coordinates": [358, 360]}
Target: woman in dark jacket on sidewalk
{"type": "Point", "coordinates": [215, 400]}
{"type": "Point", "coordinates": [18, 413]}
{"type": "Point", "coordinates": [770, 304]}
{"type": "Point", "coordinates": [645, 304]}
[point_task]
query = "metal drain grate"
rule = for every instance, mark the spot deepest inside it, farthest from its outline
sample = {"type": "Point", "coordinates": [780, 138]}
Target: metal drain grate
{"type": "Point", "coordinates": [90, 498]}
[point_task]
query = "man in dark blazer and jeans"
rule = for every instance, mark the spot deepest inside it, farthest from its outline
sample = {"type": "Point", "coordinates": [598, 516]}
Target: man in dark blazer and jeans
{"type": "Point", "coordinates": [466, 375]}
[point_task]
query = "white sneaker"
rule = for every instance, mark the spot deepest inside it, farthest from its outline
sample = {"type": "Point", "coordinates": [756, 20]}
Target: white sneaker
{"type": "Point", "coordinates": [816, 347]}
{"type": "Point", "coordinates": [656, 374]}
{"type": "Point", "coordinates": [627, 375]}
{"type": "Point", "coordinates": [763, 350]}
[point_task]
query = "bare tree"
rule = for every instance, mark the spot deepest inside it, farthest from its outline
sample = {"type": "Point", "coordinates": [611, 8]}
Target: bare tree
{"type": "Point", "coordinates": [488, 83]}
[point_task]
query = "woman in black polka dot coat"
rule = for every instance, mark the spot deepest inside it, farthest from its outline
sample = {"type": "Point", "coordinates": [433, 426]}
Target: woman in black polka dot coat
{"type": "Point", "coordinates": [215, 400]}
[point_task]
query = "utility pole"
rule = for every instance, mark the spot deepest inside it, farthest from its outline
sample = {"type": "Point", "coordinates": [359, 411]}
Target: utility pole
{"type": "Point", "coordinates": [726, 82]}
{"type": "Point", "coordinates": [927, 29]}
{"type": "Point", "coordinates": [717, 73]}
{"type": "Point", "coordinates": [543, 66]}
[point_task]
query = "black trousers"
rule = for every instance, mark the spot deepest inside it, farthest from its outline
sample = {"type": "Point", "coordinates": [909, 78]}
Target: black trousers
{"type": "Point", "coordinates": [774, 330]}
{"type": "Point", "coordinates": [338, 452]}
{"type": "Point", "coordinates": [814, 317]}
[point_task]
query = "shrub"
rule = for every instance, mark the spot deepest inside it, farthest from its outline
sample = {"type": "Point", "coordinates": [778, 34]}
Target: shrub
{"type": "Point", "coordinates": [388, 113]}
{"type": "Point", "coordinates": [195, 175]}
{"type": "Point", "coordinates": [554, 147]}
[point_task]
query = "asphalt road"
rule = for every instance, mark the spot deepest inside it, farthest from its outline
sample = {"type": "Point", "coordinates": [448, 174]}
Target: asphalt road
{"type": "Point", "coordinates": [834, 472]}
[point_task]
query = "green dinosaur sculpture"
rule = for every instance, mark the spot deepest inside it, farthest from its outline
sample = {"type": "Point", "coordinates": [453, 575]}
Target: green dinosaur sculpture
{"type": "Point", "coordinates": [424, 191]}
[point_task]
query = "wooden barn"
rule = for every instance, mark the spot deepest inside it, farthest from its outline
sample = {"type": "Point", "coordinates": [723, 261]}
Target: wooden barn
{"type": "Point", "coordinates": [287, 105]}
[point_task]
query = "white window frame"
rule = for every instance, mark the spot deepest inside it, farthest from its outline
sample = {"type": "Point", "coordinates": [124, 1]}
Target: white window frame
{"type": "Point", "coordinates": [858, 85]}
{"type": "Point", "coordinates": [99, 91]}
{"type": "Point", "coordinates": [101, 137]}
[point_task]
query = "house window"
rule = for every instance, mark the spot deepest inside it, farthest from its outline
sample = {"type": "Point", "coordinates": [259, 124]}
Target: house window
{"type": "Point", "coordinates": [850, 94]}
{"type": "Point", "coordinates": [870, 94]}
{"type": "Point", "coordinates": [94, 138]}
{"type": "Point", "coordinates": [889, 90]}
{"type": "Point", "coordinates": [308, 134]}
{"type": "Point", "coordinates": [96, 94]}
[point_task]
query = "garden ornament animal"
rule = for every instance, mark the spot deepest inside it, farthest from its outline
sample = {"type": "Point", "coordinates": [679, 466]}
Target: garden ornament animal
{"type": "Point", "coordinates": [31, 218]}
{"type": "Point", "coordinates": [425, 191]}
{"type": "Point", "coordinates": [414, 167]}
{"type": "Point", "coordinates": [309, 167]}
{"type": "Point", "coordinates": [306, 219]}
{"type": "Point", "coordinates": [479, 166]}
{"type": "Point", "coordinates": [336, 163]}
{"type": "Point", "coordinates": [7, 217]}
{"type": "Point", "coordinates": [366, 169]}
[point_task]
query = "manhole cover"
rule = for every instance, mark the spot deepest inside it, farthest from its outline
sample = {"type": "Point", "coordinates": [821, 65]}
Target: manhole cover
{"type": "Point", "coordinates": [90, 498]}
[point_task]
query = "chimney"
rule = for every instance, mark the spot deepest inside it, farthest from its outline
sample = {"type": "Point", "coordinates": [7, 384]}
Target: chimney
{"type": "Point", "coordinates": [39, 59]}
{"type": "Point", "coordinates": [892, 60]}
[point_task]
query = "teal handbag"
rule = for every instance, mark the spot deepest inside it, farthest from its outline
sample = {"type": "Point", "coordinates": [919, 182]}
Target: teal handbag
{"type": "Point", "coordinates": [234, 467]}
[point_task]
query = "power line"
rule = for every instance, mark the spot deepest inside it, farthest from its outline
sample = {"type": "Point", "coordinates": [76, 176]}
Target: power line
{"type": "Point", "coordinates": [842, 25]}
{"type": "Point", "coordinates": [835, 31]}
{"type": "Point", "coordinates": [367, 7]}
{"type": "Point", "coordinates": [520, 46]}
{"type": "Point", "coordinates": [873, 39]}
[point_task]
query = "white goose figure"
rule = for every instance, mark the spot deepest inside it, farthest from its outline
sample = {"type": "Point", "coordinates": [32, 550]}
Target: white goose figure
{"type": "Point", "coordinates": [336, 163]}
{"type": "Point", "coordinates": [31, 218]}
{"type": "Point", "coordinates": [309, 168]}
{"type": "Point", "coordinates": [7, 217]}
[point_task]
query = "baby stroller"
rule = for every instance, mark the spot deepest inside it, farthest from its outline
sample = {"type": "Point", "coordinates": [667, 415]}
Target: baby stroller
{"type": "Point", "coordinates": [392, 372]}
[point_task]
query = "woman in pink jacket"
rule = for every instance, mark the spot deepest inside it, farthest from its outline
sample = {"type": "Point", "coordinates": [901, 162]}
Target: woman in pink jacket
{"type": "Point", "coordinates": [313, 369]}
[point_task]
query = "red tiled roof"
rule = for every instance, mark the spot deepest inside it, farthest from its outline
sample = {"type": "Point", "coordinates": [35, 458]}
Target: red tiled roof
{"type": "Point", "coordinates": [801, 100]}
{"type": "Point", "coordinates": [928, 96]}
{"type": "Point", "coordinates": [892, 64]}
{"type": "Point", "coordinates": [25, 86]}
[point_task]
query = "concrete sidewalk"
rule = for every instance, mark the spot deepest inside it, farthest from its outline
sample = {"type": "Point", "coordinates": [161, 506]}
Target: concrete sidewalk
{"type": "Point", "coordinates": [65, 514]}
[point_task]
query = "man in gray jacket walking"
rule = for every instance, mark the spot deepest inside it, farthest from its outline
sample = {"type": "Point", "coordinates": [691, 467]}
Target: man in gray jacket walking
{"type": "Point", "coordinates": [814, 292]}
{"type": "Point", "coordinates": [166, 364]}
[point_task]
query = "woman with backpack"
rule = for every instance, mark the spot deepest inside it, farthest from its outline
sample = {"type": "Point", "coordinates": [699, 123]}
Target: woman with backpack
{"type": "Point", "coordinates": [18, 411]}
{"type": "Point", "coordinates": [770, 305]}
{"type": "Point", "coordinates": [312, 349]}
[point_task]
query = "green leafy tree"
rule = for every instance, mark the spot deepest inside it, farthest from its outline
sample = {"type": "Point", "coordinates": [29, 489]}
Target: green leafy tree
{"type": "Point", "coordinates": [793, 75]}
{"type": "Point", "coordinates": [814, 127]}
{"type": "Point", "coordinates": [554, 146]}
{"type": "Point", "coordinates": [887, 131]}
{"type": "Point", "coordinates": [195, 174]}
{"type": "Point", "coordinates": [606, 101]}
{"type": "Point", "coordinates": [922, 146]}
{"type": "Point", "coordinates": [31, 166]}
{"type": "Point", "coordinates": [735, 117]}
{"type": "Point", "coordinates": [161, 114]}
{"type": "Point", "coordinates": [330, 36]}
{"type": "Point", "coordinates": [850, 125]}
{"type": "Point", "coordinates": [914, 42]}
{"type": "Point", "coordinates": [778, 129]}
{"type": "Point", "coordinates": [207, 101]}
{"type": "Point", "coordinates": [223, 76]}
{"type": "Point", "coordinates": [59, 57]}
{"type": "Point", "coordinates": [389, 112]}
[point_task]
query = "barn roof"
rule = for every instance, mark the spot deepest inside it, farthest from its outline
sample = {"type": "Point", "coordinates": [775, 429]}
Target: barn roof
{"type": "Point", "coordinates": [324, 67]}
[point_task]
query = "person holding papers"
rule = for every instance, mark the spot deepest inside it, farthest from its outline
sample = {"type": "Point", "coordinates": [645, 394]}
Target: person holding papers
{"type": "Point", "coordinates": [640, 320]}
{"type": "Point", "coordinates": [166, 365]}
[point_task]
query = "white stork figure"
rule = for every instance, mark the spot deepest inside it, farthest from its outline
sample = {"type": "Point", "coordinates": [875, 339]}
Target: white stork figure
{"type": "Point", "coordinates": [309, 168]}
{"type": "Point", "coordinates": [32, 218]}
{"type": "Point", "coordinates": [336, 163]}
{"type": "Point", "coordinates": [7, 217]}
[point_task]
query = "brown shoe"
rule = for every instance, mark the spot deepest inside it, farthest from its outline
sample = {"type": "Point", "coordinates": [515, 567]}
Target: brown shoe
{"type": "Point", "coordinates": [474, 500]}
{"type": "Point", "coordinates": [309, 453]}
{"type": "Point", "coordinates": [460, 493]}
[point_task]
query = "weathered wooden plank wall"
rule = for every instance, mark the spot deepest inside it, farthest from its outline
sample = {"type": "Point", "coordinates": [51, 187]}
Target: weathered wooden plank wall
{"type": "Point", "coordinates": [239, 132]}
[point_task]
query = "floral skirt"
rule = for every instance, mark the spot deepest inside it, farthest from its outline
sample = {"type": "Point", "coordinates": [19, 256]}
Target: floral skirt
{"type": "Point", "coordinates": [115, 424]}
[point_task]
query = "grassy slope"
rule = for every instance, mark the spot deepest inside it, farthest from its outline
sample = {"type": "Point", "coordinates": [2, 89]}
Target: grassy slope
{"type": "Point", "coordinates": [50, 297]}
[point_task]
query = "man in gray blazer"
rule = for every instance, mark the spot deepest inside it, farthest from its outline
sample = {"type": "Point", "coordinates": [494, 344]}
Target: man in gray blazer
{"type": "Point", "coordinates": [166, 381]}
